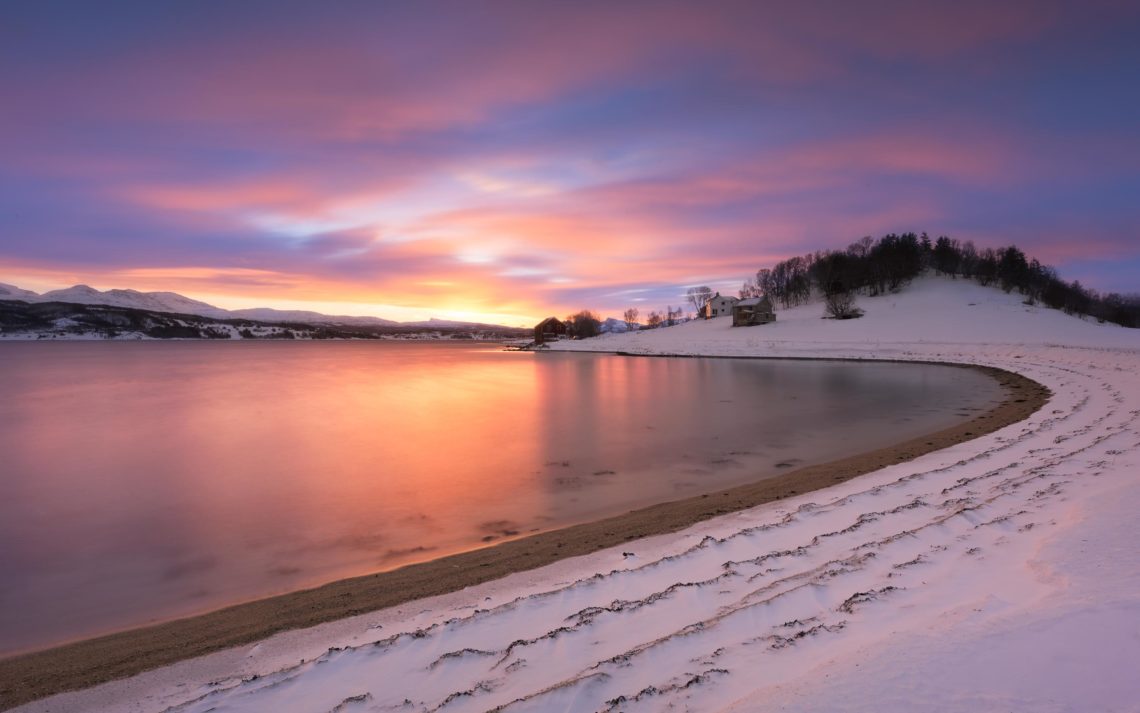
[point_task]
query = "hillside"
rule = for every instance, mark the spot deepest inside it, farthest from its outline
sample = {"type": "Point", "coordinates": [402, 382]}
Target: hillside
{"type": "Point", "coordinates": [82, 312]}
{"type": "Point", "coordinates": [20, 320]}
{"type": "Point", "coordinates": [932, 309]}
{"type": "Point", "coordinates": [174, 303]}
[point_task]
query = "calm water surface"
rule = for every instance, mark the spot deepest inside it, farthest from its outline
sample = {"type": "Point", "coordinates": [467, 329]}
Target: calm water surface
{"type": "Point", "coordinates": [142, 481]}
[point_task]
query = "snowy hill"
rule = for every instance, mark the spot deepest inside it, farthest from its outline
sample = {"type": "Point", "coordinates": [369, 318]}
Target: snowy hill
{"type": "Point", "coordinates": [930, 310]}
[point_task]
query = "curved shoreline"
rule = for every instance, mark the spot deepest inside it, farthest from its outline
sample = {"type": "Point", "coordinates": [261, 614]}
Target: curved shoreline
{"type": "Point", "coordinates": [86, 663]}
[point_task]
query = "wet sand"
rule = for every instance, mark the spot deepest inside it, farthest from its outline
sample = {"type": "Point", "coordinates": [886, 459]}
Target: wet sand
{"type": "Point", "coordinates": [90, 662]}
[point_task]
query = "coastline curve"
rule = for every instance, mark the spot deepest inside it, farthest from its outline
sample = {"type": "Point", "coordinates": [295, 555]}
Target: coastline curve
{"type": "Point", "coordinates": [75, 666]}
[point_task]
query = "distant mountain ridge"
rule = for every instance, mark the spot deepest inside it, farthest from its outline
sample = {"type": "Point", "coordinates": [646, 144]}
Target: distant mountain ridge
{"type": "Point", "coordinates": [174, 303]}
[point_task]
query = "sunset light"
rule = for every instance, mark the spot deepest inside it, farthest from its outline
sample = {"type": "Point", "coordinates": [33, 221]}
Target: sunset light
{"type": "Point", "coordinates": [517, 160]}
{"type": "Point", "coordinates": [591, 356]}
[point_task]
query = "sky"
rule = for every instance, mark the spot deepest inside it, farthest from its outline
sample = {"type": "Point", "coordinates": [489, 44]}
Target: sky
{"type": "Point", "coordinates": [504, 161]}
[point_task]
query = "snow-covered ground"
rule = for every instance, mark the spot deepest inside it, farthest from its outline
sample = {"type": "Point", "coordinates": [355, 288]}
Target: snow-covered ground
{"type": "Point", "coordinates": [1002, 574]}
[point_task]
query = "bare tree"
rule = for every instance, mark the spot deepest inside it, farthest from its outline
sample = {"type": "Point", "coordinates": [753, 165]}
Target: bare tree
{"type": "Point", "coordinates": [765, 283]}
{"type": "Point", "coordinates": [861, 248]}
{"type": "Point", "coordinates": [840, 304]}
{"type": "Point", "coordinates": [630, 317]}
{"type": "Point", "coordinates": [654, 319]}
{"type": "Point", "coordinates": [698, 296]}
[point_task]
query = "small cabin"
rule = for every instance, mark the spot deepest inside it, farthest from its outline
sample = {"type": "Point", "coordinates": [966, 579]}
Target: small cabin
{"type": "Point", "coordinates": [550, 329]}
{"type": "Point", "coordinates": [755, 310]}
{"type": "Point", "coordinates": [718, 306]}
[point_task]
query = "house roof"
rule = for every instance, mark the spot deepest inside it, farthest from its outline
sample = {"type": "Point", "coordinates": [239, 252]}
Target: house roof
{"type": "Point", "coordinates": [753, 301]}
{"type": "Point", "coordinates": [547, 321]}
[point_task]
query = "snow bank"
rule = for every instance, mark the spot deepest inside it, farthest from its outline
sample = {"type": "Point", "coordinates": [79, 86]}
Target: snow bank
{"type": "Point", "coordinates": [999, 574]}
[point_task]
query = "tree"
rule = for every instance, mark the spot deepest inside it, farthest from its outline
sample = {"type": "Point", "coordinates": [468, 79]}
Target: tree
{"type": "Point", "coordinates": [583, 325]}
{"type": "Point", "coordinates": [968, 260]}
{"type": "Point", "coordinates": [698, 297]}
{"type": "Point", "coordinates": [1012, 268]}
{"type": "Point", "coordinates": [876, 266]}
{"type": "Point", "coordinates": [947, 255]}
{"type": "Point", "coordinates": [654, 319]}
{"type": "Point", "coordinates": [862, 247]}
{"type": "Point", "coordinates": [630, 317]}
{"type": "Point", "coordinates": [841, 305]}
{"type": "Point", "coordinates": [764, 282]}
{"type": "Point", "coordinates": [834, 273]}
{"type": "Point", "coordinates": [986, 267]}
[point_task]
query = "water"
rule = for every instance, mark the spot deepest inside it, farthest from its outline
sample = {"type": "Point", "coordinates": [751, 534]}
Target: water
{"type": "Point", "coordinates": [143, 481]}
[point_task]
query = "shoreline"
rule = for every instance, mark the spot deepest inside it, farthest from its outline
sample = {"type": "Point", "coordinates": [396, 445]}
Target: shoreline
{"type": "Point", "coordinates": [82, 664]}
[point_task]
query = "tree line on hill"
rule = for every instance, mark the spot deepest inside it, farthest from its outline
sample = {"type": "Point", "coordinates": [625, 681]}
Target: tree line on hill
{"type": "Point", "coordinates": [873, 267]}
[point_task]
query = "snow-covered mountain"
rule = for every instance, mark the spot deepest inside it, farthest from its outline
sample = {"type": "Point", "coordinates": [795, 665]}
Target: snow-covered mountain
{"type": "Point", "coordinates": [267, 314]}
{"type": "Point", "coordinates": [612, 325]}
{"type": "Point", "coordinates": [11, 292]}
{"type": "Point", "coordinates": [434, 323]}
{"type": "Point", "coordinates": [178, 304]}
{"type": "Point", "coordinates": [133, 299]}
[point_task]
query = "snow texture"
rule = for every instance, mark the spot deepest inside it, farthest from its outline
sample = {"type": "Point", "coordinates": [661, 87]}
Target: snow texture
{"type": "Point", "coordinates": [1001, 574]}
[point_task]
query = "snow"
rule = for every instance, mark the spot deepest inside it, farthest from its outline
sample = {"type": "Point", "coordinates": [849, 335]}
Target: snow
{"type": "Point", "coordinates": [179, 304]}
{"type": "Point", "coordinates": [932, 310]}
{"type": "Point", "coordinates": [11, 292]}
{"type": "Point", "coordinates": [266, 314]}
{"type": "Point", "coordinates": [613, 325]}
{"type": "Point", "coordinates": [999, 574]}
{"type": "Point", "coordinates": [154, 301]}
{"type": "Point", "coordinates": [434, 323]}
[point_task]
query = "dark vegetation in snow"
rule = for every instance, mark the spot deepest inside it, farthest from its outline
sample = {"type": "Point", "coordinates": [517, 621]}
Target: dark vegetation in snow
{"type": "Point", "coordinates": [61, 319]}
{"type": "Point", "coordinates": [873, 267]}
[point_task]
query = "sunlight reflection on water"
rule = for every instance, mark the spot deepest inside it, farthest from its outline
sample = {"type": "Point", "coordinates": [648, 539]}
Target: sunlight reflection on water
{"type": "Point", "coordinates": [141, 481]}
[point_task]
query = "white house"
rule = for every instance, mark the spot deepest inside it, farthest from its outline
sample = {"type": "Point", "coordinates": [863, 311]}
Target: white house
{"type": "Point", "coordinates": [718, 306]}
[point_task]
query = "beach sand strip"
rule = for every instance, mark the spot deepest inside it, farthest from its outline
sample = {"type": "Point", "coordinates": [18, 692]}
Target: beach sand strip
{"type": "Point", "coordinates": [90, 662]}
